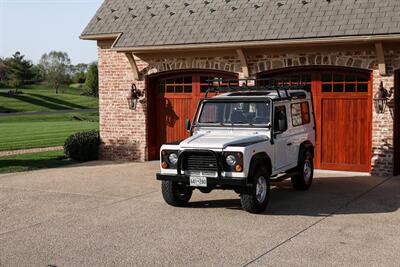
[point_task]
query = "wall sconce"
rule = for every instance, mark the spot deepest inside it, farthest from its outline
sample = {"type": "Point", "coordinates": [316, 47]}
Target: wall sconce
{"type": "Point", "coordinates": [134, 95]}
{"type": "Point", "coordinates": [381, 99]}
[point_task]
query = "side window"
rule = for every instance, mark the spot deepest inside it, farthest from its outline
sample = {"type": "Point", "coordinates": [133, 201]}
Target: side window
{"type": "Point", "coordinates": [280, 119]}
{"type": "Point", "coordinates": [300, 114]}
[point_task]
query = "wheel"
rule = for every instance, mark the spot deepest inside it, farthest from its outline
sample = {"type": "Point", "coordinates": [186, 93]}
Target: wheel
{"type": "Point", "coordinates": [304, 178]}
{"type": "Point", "coordinates": [176, 194]}
{"type": "Point", "coordinates": [256, 200]}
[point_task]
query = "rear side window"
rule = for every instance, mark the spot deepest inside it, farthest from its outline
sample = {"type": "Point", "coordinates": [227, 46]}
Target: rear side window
{"type": "Point", "coordinates": [300, 114]}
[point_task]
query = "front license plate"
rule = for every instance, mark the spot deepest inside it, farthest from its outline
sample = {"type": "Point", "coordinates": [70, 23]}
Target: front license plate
{"type": "Point", "coordinates": [197, 181]}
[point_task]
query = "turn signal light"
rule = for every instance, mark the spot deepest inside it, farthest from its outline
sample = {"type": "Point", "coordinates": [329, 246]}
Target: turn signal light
{"type": "Point", "coordinates": [238, 168]}
{"type": "Point", "coordinates": [164, 165]}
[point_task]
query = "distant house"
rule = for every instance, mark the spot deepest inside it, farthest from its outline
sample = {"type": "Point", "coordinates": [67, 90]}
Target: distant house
{"type": "Point", "coordinates": [342, 50]}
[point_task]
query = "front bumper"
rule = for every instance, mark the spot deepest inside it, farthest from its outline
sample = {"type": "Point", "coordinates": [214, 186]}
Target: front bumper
{"type": "Point", "coordinates": [211, 181]}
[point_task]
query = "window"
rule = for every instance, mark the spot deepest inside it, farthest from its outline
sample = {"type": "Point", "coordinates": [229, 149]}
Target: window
{"type": "Point", "coordinates": [236, 113]}
{"type": "Point", "coordinates": [304, 79]}
{"type": "Point", "coordinates": [205, 82]}
{"type": "Point", "coordinates": [344, 82]}
{"type": "Point", "coordinates": [300, 114]}
{"type": "Point", "coordinates": [280, 120]}
{"type": "Point", "coordinates": [176, 85]}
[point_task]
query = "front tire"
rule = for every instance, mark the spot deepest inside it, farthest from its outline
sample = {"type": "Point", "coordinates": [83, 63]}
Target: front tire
{"type": "Point", "coordinates": [257, 199]}
{"type": "Point", "coordinates": [176, 194]}
{"type": "Point", "coordinates": [303, 180]}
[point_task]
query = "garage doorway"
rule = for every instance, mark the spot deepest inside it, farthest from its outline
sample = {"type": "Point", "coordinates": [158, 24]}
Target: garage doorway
{"type": "Point", "coordinates": [172, 98]}
{"type": "Point", "coordinates": [343, 112]}
{"type": "Point", "coordinates": [396, 126]}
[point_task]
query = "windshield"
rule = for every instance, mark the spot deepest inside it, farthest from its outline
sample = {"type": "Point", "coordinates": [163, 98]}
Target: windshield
{"type": "Point", "coordinates": [236, 113]}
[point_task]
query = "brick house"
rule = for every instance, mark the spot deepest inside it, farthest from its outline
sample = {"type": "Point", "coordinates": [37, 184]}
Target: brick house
{"type": "Point", "coordinates": [342, 50]}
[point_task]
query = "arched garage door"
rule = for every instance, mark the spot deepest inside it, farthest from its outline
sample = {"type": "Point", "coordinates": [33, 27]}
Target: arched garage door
{"type": "Point", "coordinates": [173, 98]}
{"type": "Point", "coordinates": [343, 111]}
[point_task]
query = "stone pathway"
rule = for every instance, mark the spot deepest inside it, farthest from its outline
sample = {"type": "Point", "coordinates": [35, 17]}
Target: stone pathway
{"type": "Point", "coordinates": [29, 151]}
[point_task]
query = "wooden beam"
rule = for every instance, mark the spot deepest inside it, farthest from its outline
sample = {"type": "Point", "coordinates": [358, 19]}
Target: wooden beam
{"type": "Point", "coordinates": [243, 62]}
{"type": "Point", "coordinates": [381, 58]}
{"type": "Point", "coordinates": [134, 67]}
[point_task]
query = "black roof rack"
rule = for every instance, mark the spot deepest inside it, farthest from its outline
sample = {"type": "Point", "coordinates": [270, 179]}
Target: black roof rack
{"type": "Point", "coordinates": [238, 85]}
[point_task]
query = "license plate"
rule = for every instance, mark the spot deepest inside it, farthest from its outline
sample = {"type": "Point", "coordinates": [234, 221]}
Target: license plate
{"type": "Point", "coordinates": [198, 181]}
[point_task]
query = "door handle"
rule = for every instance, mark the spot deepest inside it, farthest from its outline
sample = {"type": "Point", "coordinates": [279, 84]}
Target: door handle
{"type": "Point", "coordinates": [289, 144]}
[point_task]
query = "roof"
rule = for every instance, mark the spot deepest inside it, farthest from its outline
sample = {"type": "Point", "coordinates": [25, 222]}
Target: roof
{"type": "Point", "coordinates": [143, 23]}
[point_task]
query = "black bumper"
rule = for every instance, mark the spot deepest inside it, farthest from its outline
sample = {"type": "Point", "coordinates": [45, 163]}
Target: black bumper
{"type": "Point", "coordinates": [211, 182]}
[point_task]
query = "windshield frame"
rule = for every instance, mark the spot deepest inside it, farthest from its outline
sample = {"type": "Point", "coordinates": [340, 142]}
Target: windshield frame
{"type": "Point", "coordinates": [233, 125]}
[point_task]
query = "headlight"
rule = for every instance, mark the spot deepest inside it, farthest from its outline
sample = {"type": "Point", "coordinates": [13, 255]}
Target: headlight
{"type": "Point", "coordinates": [173, 158]}
{"type": "Point", "coordinates": [231, 160]}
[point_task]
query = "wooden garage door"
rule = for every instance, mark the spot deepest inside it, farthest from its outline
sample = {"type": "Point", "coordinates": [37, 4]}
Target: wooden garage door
{"type": "Point", "coordinates": [343, 112]}
{"type": "Point", "coordinates": [176, 99]}
{"type": "Point", "coordinates": [396, 138]}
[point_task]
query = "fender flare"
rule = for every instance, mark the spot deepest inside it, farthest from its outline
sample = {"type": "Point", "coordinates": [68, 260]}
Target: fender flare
{"type": "Point", "coordinates": [260, 159]}
{"type": "Point", "coordinates": [306, 146]}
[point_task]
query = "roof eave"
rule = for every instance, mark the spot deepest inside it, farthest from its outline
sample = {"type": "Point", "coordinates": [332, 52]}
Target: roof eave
{"type": "Point", "coordinates": [268, 43]}
{"type": "Point", "coordinates": [96, 37]}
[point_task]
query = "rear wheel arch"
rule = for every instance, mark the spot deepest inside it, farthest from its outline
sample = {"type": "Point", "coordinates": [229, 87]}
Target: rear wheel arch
{"type": "Point", "coordinates": [306, 146]}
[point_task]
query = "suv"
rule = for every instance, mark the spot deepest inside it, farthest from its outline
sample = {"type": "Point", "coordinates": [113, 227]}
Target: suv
{"type": "Point", "coordinates": [243, 140]}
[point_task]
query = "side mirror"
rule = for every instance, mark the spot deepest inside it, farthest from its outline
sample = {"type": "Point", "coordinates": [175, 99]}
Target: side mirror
{"type": "Point", "coordinates": [188, 125]}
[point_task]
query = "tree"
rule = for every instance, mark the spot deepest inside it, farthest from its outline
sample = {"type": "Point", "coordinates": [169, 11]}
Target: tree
{"type": "Point", "coordinates": [3, 71]}
{"type": "Point", "coordinates": [92, 80]}
{"type": "Point", "coordinates": [79, 73]}
{"type": "Point", "coordinates": [19, 70]}
{"type": "Point", "coordinates": [56, 66]}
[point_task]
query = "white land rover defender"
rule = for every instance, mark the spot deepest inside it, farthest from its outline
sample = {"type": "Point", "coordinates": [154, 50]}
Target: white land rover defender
{"type": "Point", "coordinates": [243, 139]}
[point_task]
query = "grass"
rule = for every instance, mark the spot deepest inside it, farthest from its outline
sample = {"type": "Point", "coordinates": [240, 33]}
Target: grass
{"type": "Point", "coordinates": [36, 161]}
{"type": "Point", "coordinates": [35, 131]}
{"type": "Point", "coordinates": [36, 98]}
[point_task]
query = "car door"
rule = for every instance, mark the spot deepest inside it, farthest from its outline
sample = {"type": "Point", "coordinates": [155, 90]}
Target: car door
{"type": "Point", "coordinates": [281, 138]}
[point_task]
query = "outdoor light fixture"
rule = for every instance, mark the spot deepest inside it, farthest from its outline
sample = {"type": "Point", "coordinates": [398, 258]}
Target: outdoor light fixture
{"type": "Point", "coordinates": [134, 96]}
{"type": "Point", "coordinates": [381, 99]}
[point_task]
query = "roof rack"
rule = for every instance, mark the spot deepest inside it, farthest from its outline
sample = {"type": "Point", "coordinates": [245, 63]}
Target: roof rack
{"type": "Point", "coordinates": [237, 85]}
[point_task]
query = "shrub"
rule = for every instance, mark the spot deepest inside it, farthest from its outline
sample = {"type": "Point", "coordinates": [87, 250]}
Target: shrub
{"type": "Point", "coordinates": [83, 146]}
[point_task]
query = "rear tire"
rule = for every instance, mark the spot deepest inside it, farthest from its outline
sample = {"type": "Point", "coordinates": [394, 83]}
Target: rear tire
{"type": "Point", "coordinates": [176, 194]}
{"type": "Point", "coordinates": [303, 180]}
{"type": "Point", "coordinates": [257, 199]}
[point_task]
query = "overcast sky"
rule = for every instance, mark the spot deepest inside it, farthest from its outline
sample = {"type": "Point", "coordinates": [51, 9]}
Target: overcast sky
{"type": "Point", "coordinates": [35, 27]}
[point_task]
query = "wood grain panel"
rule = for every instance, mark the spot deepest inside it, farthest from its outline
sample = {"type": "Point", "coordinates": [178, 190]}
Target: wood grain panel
{"type": "Point", "coordinates": [344, 131]}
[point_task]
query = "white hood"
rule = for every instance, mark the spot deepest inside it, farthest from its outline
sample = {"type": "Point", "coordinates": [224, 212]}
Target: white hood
{"type": "Point", "coordinates": [220, 141]}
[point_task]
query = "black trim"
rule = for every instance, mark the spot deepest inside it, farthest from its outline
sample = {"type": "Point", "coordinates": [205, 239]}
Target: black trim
{"type": "Point", "coordinates": [211, 181]}
{"type": "Point", "coordinates": [249, 143]}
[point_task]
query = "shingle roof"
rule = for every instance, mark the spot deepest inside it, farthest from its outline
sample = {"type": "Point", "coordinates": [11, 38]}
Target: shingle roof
{"type": "Point", "coordinates": [173, 22]}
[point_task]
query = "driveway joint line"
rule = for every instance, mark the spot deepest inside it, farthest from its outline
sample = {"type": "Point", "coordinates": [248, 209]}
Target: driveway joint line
{"type": "Point", "coordinates": [345, 205]}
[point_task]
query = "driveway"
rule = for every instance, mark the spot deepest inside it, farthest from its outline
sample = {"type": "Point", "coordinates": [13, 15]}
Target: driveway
{"type": "Point", "coordinates": [114, 215]}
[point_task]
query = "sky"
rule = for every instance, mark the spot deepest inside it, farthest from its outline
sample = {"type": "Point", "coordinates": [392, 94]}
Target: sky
{"type": "Point", "coordinates": [35, 27]}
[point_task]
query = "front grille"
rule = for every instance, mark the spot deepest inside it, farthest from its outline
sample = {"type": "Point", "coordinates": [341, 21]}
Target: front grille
{"type": "Point", "coordinates": [199, 162]}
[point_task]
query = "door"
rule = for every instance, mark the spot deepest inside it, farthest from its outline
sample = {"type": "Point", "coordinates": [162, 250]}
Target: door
{"type": "Point", "coordinates": [281, 140]}
{"type": "Point", "coordinates": [343, 114]}
{"type": "Point", "coordinates": [175, 98]}
{"type": "Point", "coordinates": [396, 127]}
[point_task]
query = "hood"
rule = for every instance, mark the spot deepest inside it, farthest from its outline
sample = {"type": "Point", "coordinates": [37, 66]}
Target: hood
{"type": "Point", "coordinates": [214, 141]}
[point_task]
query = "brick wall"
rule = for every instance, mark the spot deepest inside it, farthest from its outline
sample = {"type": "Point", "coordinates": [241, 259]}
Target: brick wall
{"type": "Point", "coordinates": [124, 132]}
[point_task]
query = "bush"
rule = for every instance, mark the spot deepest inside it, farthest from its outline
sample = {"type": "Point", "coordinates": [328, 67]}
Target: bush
{"type": "Point", "coordinates": [83, 146]}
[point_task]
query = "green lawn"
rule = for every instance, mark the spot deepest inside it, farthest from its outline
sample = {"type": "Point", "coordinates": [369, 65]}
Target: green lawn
{"type": "Point", "coordinates": [35, 161]}
{"type": "Point", "coordinates": [43, 98]}
{"type": "Point", "coordinates": [24, 132]}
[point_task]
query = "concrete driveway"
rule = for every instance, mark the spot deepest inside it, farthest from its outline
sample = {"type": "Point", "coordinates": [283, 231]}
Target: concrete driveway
{"type": "Point", "coordinates": [114, 215]}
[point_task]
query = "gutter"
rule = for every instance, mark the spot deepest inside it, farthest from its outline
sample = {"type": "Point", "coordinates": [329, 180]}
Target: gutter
{"type": "Point", "coordinates": [244, 44]}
